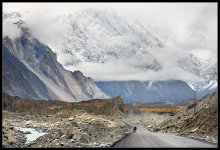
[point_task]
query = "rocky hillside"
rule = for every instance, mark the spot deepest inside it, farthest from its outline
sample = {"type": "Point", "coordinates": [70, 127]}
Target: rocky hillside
{"type": "Point", "coordinates": [113, 106]}
{"type": "Point", "coordinates": [203, 124]}
{"type": "Point", "coordinates": [30, 70]}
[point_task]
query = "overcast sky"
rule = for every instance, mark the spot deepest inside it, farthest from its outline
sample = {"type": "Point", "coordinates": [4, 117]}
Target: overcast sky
{"type": "Point", "coordinates": [186, 22]}
{"type": "Point", "coordinates": [175, 16]}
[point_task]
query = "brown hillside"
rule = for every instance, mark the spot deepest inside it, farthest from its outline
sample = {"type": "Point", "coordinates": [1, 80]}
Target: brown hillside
{"type": "Point", "coordinates": [203, 124]}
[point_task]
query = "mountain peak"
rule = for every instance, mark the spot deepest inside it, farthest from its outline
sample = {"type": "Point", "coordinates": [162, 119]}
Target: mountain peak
{"type": "Point", "coordinates": [11, 15]}
{"type": "Point", "coordinates": [39, 75]}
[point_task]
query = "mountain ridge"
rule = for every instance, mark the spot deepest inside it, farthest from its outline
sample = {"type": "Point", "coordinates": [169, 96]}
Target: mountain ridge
{"type": "Point", "coordinates": [41, 62]}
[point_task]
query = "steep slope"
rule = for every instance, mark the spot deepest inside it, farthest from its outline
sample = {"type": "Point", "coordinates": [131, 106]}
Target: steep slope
{"type": "Point", "coordinates": [17, 78]}
{"type": "Point", "coordinates": [204, 124]}
{"type": "Point", "coordinates": [41, 61]}
{"type": "Point", "coordinates": [136, 91]}
{"type": "Point", "coordinates": [98, 36]}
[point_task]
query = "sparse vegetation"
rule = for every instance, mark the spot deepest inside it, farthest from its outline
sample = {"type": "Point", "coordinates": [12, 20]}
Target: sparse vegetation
{"type": "Point", "coordinates": [161, 110]}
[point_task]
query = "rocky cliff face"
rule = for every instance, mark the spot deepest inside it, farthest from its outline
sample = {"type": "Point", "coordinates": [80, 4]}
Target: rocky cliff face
{"type": "Point", "coordinates": [113, 106]}
{"type": "Point", "coordinates": [31, 70]}
{"type": "Point", "coordinates": [18, 80]}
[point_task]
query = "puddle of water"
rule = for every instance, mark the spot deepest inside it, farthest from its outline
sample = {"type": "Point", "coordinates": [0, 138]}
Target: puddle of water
{"type": "Point", "coordinates": [34, 133]}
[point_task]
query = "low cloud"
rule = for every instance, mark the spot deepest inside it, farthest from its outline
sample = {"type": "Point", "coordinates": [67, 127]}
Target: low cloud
{"type": "Point", "coordinates": [192, 25]}
{"type": "Point", "coordinates": [10, 29]}
{"type": "Point", "coordinates": [124, 69]}
{"type": "Point", "coordinates": [45, 30]}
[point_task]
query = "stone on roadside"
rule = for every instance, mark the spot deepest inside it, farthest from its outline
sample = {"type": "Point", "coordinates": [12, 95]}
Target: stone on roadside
{"type": "Point", "coordinates": [102, 145]}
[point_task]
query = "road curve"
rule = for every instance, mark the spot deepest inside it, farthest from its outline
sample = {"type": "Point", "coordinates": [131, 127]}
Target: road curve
{"type": "Point", "coordinates": [145, 138]}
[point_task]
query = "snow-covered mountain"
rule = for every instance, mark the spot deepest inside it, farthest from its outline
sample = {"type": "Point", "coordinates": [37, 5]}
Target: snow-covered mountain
{"type": "Point", "coordinates": [101, 36]}
{"type": "Point", "coordinates": [204, 68]}
{"type": "Point", "coordinates": [97, 36]}
{"type": "Point", "coordinates": [30, 70]}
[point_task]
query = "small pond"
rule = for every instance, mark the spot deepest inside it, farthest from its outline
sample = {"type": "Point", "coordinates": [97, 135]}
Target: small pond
{"type": "Point", "coordinates": [34, 134]}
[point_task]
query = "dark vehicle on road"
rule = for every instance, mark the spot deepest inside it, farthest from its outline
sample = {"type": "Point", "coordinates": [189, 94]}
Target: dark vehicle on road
{"type": "Point", "coordinates": [135, 128]}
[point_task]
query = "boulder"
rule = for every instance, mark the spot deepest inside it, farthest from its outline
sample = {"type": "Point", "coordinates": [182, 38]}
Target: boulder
{"type": "Point", "coordinates": [85, 137]}
{"type": "Point", "coordinates": [75, 124]}
{"type": "Point", "coordinates": [11, 142]}
{"type": "Point", "coordinates": [28, 132]}
{"type": "Point", "coordinates": [194, 130]}
{"type": "Point", "coordinates": [69, 132]}
{"type": "Point", "coordinates": [55, 140]}
{"type": "Point", "coordinates": [76, 137]}
{"type": "Point", "coordinates": [57, 135]}
{"type": "Point", "coordinates": [71, 118]}
{"type": "Point", "coordinates": [63, 136]}
{"type": "Point", "coordinates": [29, 123]}
{"type": "Point", "coordinates": [150, 126]}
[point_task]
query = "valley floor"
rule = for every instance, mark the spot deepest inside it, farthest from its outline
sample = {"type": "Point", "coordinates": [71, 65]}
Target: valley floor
{"type": "Point", "coordinates": [66, 128]}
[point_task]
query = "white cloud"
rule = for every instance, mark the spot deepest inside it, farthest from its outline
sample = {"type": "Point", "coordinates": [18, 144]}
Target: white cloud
{"type": "Point", "coordinates": [192, 25]}
{"type": "Point", "coordinates": [122, 70]}
{"type": "Point", "coordinates": [42, 28]}
{"type": "Point", "coordinates": [11, 30]}
{"type": "Point", "coordinates": [181, 20]}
